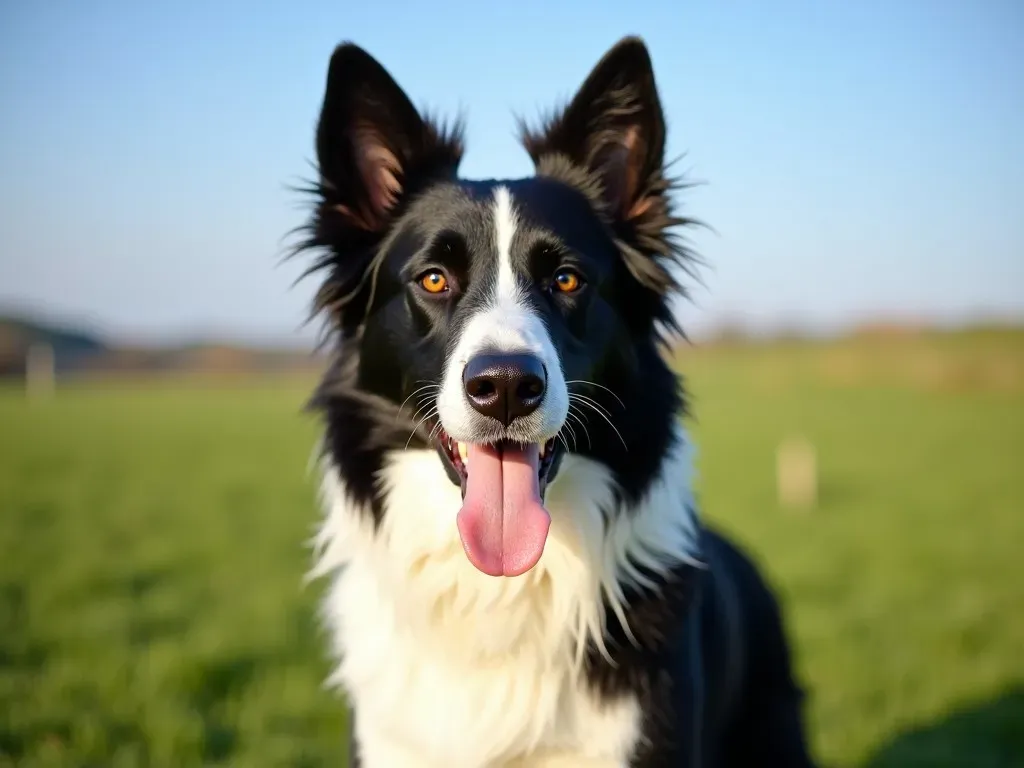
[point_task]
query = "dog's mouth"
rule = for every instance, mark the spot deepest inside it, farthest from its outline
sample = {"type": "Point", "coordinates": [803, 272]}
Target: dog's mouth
{"type": "Point", "coordinates": [455, 457]}
{"type": "Point", "coordinates": [503, 523]}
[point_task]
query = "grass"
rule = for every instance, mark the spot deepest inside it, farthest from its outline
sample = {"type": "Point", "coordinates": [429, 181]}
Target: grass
{"type": "Point", "coordinates": [152, 551]}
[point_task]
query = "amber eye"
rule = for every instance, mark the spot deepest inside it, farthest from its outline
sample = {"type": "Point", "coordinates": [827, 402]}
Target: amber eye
{"type": "Point", "coordinates": [567, 281]}
{"type": "Point", "coordinates": [433, 282]}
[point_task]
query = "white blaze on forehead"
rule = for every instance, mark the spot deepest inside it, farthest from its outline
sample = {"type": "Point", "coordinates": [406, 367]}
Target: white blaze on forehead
{"type": "Point", "coordinates": [505, 323]}
{"type": "Point", "coordinates": [507, 288]}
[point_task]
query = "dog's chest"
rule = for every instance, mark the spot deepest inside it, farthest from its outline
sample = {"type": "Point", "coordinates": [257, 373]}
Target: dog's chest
{"type": "Point", "coordinates": [451, 668]}
{"type": "Point", "coordinates": [435, 697]}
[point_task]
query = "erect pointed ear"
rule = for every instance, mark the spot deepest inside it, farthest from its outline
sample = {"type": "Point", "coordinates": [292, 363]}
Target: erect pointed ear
{"type": "Point", "coordinates": [613, 127]}
{"type": "Point", "coordinates": [373, 147]}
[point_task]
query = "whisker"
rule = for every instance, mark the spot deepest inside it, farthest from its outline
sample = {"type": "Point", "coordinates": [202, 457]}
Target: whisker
{"type": "Point", "coordinates": [415, 392]}
{"type": "Point", "coordinates": [435, 430]}
{"type": "Point", "coordinates": [581, 419]}
{"type": "Point", "coordinates": [419, 425]}
{"type": "Point", "coordinates": [431, 412]}
{"type": "Point", "coordinates": [572, 433]}
{"type": "Point", "coordinates": [590, 404]}
{"type": "Point", "coordinates": [599, 386]}
{"type": "Point", "coordinates": [428, 405]}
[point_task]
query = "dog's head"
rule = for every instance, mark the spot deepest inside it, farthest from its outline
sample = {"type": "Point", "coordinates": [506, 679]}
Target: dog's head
{"type": "Point", "coordinates": [503, 322]}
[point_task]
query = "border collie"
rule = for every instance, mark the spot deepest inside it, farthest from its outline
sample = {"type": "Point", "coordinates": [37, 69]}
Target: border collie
{"type": "Point", "coordinates": [518, 576]}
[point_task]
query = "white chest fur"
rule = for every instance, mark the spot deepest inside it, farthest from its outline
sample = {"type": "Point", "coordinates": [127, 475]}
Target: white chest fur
{"type": "Point", "coordinates": [452, 668]}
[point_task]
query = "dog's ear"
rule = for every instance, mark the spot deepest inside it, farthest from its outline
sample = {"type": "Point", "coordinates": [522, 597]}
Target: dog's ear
{"type": "Point", "coordinates": [374, 151]}
{"type": "Point", "coordinates": [614, 128]}
{"type": "Point", "coordinates": [373, 147]}
{"type": "Point", "coordinates": [609, 143]}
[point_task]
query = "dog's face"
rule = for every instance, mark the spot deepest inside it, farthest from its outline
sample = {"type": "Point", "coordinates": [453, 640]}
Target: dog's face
{"type": "Point", "coordinates": [503, 322]}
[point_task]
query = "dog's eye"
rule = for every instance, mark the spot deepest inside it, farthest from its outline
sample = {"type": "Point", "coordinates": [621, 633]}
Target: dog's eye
{"type": "Point", "coordinates": [433, 281]}
{"type": "Point", "coordinates": [567, 281]}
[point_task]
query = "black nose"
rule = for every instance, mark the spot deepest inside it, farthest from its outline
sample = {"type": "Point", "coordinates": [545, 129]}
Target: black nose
{"type": "Point", "coordinates": [504, 387]}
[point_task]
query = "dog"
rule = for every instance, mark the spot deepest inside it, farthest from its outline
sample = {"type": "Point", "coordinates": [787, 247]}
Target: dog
{"type": "Point", "coordinates": [517, 573]}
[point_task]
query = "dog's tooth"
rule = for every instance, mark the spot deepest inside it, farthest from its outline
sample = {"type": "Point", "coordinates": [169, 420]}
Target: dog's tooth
{"type": "Point", "coordinates": [463, 452]}
{"type": "Point", "coordinates": [542, 446]}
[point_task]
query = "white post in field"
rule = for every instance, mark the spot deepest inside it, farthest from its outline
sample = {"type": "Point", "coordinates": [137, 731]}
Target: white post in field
{"type": "Point", "coordinates": [40, 371]}
{"type": "Point", "coordinates": [796, 467]}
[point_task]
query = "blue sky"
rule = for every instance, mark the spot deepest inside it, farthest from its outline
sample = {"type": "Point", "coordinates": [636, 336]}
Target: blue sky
{"type": "Point", "coordinates": [860, 158]}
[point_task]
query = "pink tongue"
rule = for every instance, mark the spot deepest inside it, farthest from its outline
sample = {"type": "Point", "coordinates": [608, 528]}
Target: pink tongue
{"type": "Point", "coordinates": [502, 523]}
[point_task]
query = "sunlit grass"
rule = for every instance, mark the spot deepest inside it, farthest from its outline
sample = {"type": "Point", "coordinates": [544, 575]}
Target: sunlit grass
{"type": "Point", "coordinates": [153, 545]}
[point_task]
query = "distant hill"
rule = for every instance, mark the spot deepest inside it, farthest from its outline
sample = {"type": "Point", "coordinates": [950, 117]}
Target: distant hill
{"type": "Point", "coordinates": [20, 331]}
{"type": "Point", "coordinates": [70, 346]}
{"type": "Point", "coordinates": [77, 351]}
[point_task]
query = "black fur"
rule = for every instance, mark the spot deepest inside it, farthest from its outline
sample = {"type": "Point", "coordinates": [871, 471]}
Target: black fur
{"type": "Point", "coordinates": [710, 664]}
{"type": "Point", "coordinates": [389, 204]}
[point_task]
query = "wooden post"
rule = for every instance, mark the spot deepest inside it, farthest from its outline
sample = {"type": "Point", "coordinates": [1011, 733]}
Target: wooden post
{"type": "Point", "coordinates": [796, 469]}
{"type": "Point", "coordinates": [40, 371]}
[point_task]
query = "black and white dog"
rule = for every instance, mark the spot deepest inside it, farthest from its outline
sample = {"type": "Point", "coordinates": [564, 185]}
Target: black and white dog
{"type": "Point", "coordinates": [518, 574]}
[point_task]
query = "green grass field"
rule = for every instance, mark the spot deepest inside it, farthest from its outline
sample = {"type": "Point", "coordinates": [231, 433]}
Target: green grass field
{"type": "Point", "coordinates": [152, 549]}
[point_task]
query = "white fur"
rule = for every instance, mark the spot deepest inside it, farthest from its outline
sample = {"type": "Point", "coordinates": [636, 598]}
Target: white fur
{"type": "Point", "coordinates": [450, 668]}
{"type": "Point", "coordinates": [506, 323]}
